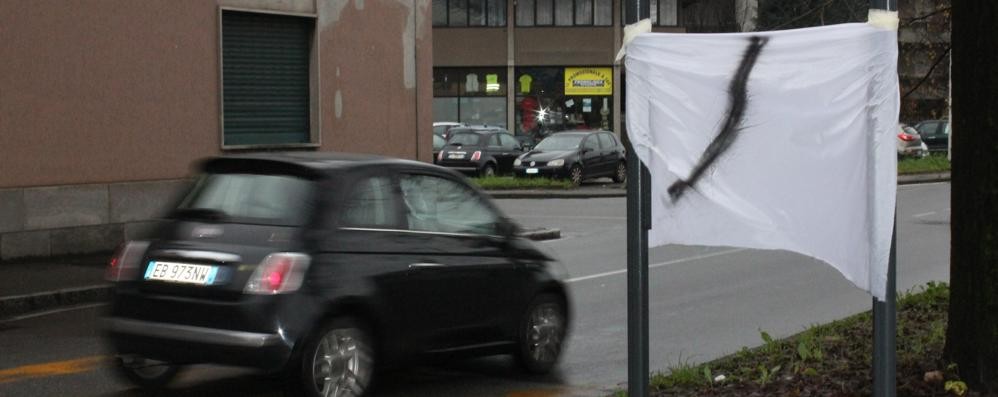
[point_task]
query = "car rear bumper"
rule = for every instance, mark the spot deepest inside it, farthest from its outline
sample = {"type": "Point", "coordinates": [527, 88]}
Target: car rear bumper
{"type": "Point", "coordinates": [213, 336]}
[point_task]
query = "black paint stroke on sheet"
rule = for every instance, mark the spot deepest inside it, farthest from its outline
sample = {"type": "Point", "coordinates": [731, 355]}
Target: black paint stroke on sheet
{"type": "Point", "coordinates": [737, 102]}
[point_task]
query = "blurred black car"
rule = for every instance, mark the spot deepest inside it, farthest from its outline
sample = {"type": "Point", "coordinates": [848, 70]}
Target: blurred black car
{"type": "Point", "coordinates": [325, 265]}
{"type": "Point", "coordinates": [935, 134]}
{"type": "Point", "coordinates": [576, 155]}
{"type": "Point", "coordinates": [480, 150]}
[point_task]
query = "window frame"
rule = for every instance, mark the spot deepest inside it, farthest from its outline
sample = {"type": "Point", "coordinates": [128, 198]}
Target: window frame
{"type": "Point", "coordinates": [467, 16]}
{"type": "Point", "coordinates": [554, 19]}
{"type": "Point", "coordinates": [315, 105]}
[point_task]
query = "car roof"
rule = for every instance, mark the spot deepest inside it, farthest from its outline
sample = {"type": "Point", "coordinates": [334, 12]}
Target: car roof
{"type": "Point", "coordinates": [308, 162]}
{"type": "Point", "coordinates": [477, 128]}
{"type": "Point", "coordinates": [579, 132]}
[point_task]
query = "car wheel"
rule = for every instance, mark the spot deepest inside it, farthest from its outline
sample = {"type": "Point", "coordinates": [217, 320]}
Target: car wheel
{"type": "Point", "coordinates": [542, 334]}
{"type": "Point", "coordinates": [487, 171]}
{"type": "Point", "coordinates": [621, 174]}
{"type": "Point", "coordinates": [575, 175]}
{"type": "Point", "coordinates": [338, 361]}
{"type": "Point", "coordinates": [146, 373]}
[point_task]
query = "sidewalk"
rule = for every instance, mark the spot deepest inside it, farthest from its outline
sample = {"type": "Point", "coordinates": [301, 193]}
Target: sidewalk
{"type": "Point", "coordinates": [34, 286]}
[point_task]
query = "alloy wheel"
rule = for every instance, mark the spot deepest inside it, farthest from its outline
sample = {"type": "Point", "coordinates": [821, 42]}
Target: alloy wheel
{"type": "Point", "coordinates": [545, 329]}
{"type": "Point", "coordinates": [342, 364]}
{"type": "Point", "coordinates": [575, 174]}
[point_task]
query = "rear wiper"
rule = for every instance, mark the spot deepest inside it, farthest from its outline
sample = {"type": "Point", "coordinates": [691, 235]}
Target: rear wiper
{"type": "Point", "coordinates": [208, 214]}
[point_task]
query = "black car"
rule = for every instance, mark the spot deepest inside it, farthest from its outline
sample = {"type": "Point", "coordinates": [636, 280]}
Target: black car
{"type": "Point", "coordinates": [480, 150]}
{"type": "Point", "coordinates": [935, 134]}
{"type": "Point", "coordinates": [321, 266]}
{"type": "Point", "coordinates": [576, 155]}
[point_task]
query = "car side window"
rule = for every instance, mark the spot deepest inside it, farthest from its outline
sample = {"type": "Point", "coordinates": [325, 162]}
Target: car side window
{"type": "Point", "coordinates": [494, 140]}
{"type": "Point", "coordinates": [591, 143]}
{"type": "Point", "coordinates": [371, 204]}
{"type": "Point", "coordinates": [508, 142]}
{"type": "Point", "coordinates": [606, 141]}
{"type": "Point", "coordinates": [436, 204]}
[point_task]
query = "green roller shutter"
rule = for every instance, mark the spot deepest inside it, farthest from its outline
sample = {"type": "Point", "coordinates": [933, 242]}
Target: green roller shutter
{"type": "Point", "coordinates": [265, 78]}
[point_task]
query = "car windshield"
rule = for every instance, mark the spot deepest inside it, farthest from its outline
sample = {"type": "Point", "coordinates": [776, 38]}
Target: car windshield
{"type": "Point", "coordinates": [249, 198]}
{"type": "Point", "coordinates": [560, 142]}
{"type": "Point", "coordinates": [464, 139]}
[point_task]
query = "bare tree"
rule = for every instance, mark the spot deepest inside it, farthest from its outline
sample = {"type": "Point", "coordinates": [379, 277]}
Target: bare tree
{"type": "Point", "coordinates": [972, 336]}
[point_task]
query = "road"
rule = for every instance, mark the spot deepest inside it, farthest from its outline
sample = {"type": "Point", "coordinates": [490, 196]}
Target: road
{"type": "Point", "coordinates": [704, 303]}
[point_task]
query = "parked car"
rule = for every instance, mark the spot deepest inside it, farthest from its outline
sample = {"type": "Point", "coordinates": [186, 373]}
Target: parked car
{"type": "Point", "coordinates": [438, 144]}
{"type": "Point", "coordinates": [480, 150]}
{"type": "Point", "coordinates": [328, 266]}
{"type": "Point", "coordinates": [575, 155]}
{"type": "Point", "coordinates": [935, 134]}
{"type": "Point", "coordinates": [442, 128]}
{"type": "Point", "coordinates": [909, 143]}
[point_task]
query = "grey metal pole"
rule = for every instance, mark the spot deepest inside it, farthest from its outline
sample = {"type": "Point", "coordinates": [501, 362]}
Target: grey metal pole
{"type": "Point", "coordinates": [885, 313]}
{"type": "Point", "coordinates": [638, 223]}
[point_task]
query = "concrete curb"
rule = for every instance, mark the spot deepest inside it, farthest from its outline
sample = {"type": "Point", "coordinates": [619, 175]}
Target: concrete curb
{"type": "Point", "coordinates": [911, 179]}
{"type": "Point", "coordinates": [13, 306]}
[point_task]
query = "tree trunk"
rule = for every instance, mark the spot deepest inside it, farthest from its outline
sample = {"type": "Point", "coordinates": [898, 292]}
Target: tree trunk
{"type": "Point", "coordinates": [972, 336]}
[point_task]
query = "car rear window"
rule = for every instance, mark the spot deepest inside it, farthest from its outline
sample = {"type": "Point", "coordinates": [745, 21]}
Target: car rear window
{"type": "Point", "coordinates": [465, 139]}
{"type": "Point", "coordinates": [249, 198]}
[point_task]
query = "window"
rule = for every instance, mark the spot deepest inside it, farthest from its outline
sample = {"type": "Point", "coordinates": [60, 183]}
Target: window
{"type": "Point", "coordinates": [371, 204]}
{"type": "Point", "coordinates": [266, 79]}
{"type": "Point", "coordinates": [508, 142]}
{"type": "Point", "coordinates": [607, 142]}
{"type": "Point", "coordinates": [470, 95]}
{"type": "Point", "coordinates": [436, 204]}
{"type": "Point", "coordinates": [663, 13]}
{"type": "Point", "coordinates": [494, 141]}
{"type": "Point", "coordinates": [475, 13]}
{"type": "Point", "coordinates": [251, 198]}
{"type": "Point", "coordinates": [564, 12]}
{"type": "Point", "coordinates": [591, 143]}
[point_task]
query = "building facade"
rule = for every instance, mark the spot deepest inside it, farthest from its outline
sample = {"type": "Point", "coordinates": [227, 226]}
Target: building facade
{"type": "Point", "coordinates": [105, 104]}
{"type": "Point", "coordinates": [533, 66]}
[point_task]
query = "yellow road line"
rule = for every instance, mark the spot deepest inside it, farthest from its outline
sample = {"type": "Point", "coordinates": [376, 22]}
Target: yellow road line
{"type": "Point", "coordinates": [51, 369]}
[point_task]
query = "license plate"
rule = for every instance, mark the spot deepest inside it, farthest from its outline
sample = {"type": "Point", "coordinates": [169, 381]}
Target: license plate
{"type": "Point", "coordinates": [531, 170]}
{"type": "Point", "coordinates": [184, 273]}
{"type": "Point", "coordinates": [455, 155]}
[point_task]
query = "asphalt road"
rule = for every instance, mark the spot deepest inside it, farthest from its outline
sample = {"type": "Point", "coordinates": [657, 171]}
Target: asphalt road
{"type": "Point", "coordinates": [705, 302]}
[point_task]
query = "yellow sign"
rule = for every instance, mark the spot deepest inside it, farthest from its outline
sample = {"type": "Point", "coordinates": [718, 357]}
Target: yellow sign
{"type": "Point", "coordinates": [588, 81]}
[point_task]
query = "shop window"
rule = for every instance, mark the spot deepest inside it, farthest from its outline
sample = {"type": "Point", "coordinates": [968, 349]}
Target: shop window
{"type": "Point", "coordinates": [267, 74]}
{"type": "Point", "coordinates": [564, 12]}
{"type": "Point", "coordinates": [548, 100]}
{"type": "Point", "coordinates": [475, 13]}
{"type": "Point", "coordinates": [470, 95]}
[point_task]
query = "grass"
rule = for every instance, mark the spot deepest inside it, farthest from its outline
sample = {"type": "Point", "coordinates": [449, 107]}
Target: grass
{"type": "Point", "coordinates": [832, 359]}
{"type": "Point", "coordinates": [511, 183]}
{"type": "Point", "coordinates": [932, 163]}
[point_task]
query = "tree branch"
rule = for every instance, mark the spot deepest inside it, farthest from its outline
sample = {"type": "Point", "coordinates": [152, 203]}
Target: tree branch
{"type": "Point", "coordinates": [929, 73]}
{"type": "Point", "coordinates": [926, 16]}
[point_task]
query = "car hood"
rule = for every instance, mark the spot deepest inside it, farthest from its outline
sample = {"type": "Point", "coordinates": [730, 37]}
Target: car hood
{"type": "Point", "coordinates": [544, 155]}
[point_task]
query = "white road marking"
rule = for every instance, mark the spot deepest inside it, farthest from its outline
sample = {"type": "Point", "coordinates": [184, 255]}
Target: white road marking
{"type": "Point", "coordinates": [53, 311]}
{"type": "Point", "coordinates": [622, 218]}
{"type": "Point", "coordinates": [924, 214]}
{"type": "Point", "coordinates": [652, 266]}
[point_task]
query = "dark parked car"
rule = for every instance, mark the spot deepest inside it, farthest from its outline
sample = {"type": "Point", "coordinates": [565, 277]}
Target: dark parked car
{"type": "Point", "coordinates": [576, 155]}
{"type": "Point", "coordinates": [325, 265]}
{"type": "Point", "coordinates": [480, 150]}
{"type": "Point", "coordinates": [935, 134]}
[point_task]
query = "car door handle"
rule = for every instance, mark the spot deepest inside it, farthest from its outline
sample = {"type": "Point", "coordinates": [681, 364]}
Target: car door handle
{"type": "Point", "coordinates": [425, 265]}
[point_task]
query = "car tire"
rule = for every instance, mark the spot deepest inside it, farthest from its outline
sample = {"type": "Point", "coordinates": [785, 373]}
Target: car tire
{"type": "Point", "coordinates": [620, 174]}
{"type": "Point", "coordinates": [575, 175]}
{"type": "Point", "coordinates": [145, 373]}
{"type": "Point", "coordinates": [542, 334]}
{"type": "Point", "coordinates": [487, 171]}
{"type": "Point", "coordinates": [340, 356]}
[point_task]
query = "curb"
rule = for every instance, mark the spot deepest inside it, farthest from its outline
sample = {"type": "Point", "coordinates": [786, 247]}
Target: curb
{"type": "Point", "coordinates": [541, 234]}
{"type": "Point", "coordinates": [13, 306]}
{"type": "Point", "coordinates": [912, 179]}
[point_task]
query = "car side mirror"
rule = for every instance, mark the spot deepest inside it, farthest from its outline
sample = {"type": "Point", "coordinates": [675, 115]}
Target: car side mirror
{"type": "Point", "coordinates": [586, 150]}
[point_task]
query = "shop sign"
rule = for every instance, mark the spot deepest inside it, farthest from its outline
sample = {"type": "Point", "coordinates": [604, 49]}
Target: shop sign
{"type": "Point", "coordinates": [588, 81]}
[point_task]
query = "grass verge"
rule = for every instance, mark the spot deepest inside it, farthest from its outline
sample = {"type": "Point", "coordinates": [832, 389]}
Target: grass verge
{"type": "Point", "coordinates": [511, 183]}
{"type": "Point", "coordinates": [932, 163]}
{"type": "Point", "coordinates": [829, 360]}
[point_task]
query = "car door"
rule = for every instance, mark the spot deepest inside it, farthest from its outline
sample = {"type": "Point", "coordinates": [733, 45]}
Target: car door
{"type": "Point", "coordinates": [470, 285]}
{"type": "Point", "coordinates": [611, 156]}
{"type": "Point", "coordinates": [591, 157]}
{"type": "Point", "coordinates": [494, 149]}
{"type": "Point", "coordinates": [932, 134]}
{"type": "Point", "coordinates": [510, 151]}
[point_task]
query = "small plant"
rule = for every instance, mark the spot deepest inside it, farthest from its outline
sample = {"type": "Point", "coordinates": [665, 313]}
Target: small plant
{"type": "Point", "coordinates": [770, 346]}
{"type": "Point", "coordinates": [766, 375]}
{"type": "Point", "coordinates": [683, 374]}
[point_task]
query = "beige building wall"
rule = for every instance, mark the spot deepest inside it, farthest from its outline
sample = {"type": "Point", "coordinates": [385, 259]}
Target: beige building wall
{"type": "Point", "coordinates": [122, 90]}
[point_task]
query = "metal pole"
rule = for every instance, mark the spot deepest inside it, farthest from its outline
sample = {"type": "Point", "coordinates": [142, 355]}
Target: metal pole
{"type": "Point", "coordinates": [638, 223]}
{"type": "Point", "coordinates": [885, 313]}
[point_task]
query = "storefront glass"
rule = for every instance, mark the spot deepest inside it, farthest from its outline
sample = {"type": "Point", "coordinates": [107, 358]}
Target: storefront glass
{"type": "Point", "coordinates": [470, 95]}
{"type": "Point", "coordinates": [549, 100]}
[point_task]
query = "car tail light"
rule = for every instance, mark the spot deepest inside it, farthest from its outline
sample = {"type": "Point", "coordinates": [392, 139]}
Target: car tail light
{"type": "Point", "coordinates": [440, 156]}
{"type": "Point", "coordinates": [476, 156]}
{"type": "Point", "coordinates": [278, 273]}
{"type": "Point", "coordinates": [906, 137]}
{"type": "Point", "coordinates": [125, 262]}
